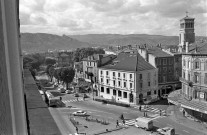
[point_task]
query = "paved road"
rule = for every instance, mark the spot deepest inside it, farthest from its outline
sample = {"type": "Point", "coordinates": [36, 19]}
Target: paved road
{"type": "Point", "coordinates": [111, 113]}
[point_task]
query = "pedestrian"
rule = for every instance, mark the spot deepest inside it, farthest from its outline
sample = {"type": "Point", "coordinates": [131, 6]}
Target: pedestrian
{"type": "Point", "coordinates": [123, 122]}
{"type": "Point", "coordinates": [117, 123]}
{"type": "Point", "coordinates": [160, 112]}
{"type": "Point", "coordinates": [140, 108]}
{"type": "Point", "coordinates": [76, 128]}
{"type": "Point", "coordinates": [122, 117]}
{"type": "Point", "coordinates": [60, 98]}
{"type": "Point", "coordinates": [183, 113]}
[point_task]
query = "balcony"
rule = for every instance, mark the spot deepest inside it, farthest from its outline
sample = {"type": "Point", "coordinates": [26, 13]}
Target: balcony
{"type": "Point", "coordinates": [107, 76]}
{"type": "Point", "coordinates": [131, 80]}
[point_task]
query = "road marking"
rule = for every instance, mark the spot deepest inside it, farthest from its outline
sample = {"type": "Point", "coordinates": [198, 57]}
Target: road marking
{"type": "Point", "coordinates": [185, 131]}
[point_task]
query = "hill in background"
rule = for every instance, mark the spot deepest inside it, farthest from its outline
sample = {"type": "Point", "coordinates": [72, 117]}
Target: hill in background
{"type": "Point", "coordinates": [37, 42]}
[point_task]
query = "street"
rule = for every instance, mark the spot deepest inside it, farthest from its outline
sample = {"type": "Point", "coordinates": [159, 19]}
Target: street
{"type": "Point", "coordinates": [111, 114]}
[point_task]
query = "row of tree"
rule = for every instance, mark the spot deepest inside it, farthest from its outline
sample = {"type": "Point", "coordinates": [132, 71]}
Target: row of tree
{"type": "Point", "coordinates": [64, 74]}
{"type": "Point", "coordinates": [35, 60]}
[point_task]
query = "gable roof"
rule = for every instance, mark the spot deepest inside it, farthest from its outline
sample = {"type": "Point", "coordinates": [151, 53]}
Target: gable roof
{"type": "Point", "coordinates": [129, 62]}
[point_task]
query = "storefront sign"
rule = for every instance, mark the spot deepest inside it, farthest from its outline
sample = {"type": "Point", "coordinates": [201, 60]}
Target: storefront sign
{"type": "Point", "coordinates": [201, 95]}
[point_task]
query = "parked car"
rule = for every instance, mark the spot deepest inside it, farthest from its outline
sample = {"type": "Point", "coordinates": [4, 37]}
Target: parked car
{"type": "Point", "coordinates": [164, 96]}
{"type": "Point", "coordinates": [79, 113]}
{"type": "Point", "coordinates": [61, 89]}
{"type": "Point", "coordinates": [166, 131]}
{"type": "Point", "coordinates": [76, 95]}
{"type": "Point", "coordinates": [68, 92]}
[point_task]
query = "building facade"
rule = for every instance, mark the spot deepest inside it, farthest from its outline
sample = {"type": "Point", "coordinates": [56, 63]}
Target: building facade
{"type": "Point", "coordinates": [128, 79]}
{"type": "Point", "coordinates": [167, 64]}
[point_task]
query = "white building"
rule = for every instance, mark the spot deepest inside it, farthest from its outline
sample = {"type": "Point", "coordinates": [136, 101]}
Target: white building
{"type": "Point", "coordinates": [129, 79]}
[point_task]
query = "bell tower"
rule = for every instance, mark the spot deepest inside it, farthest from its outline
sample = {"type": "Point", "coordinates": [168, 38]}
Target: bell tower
{"type": "Point", "coordinates": [186, 31]}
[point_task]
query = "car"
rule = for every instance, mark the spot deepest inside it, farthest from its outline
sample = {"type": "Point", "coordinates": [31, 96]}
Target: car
{"type": "Point", "coordinates": [76, 95]}
{"type": "Point", "coordinates": [164, 96]}
{"type": "Point", "coordinates": [68, 92]}
{"type": "Point", "coordinates": [61, 89]}
{"type": "Point", "coordinates": [41, 92]}
{"type": "Point", "coordinates": [79, 113]}
{"type": "Point", "coordinates": [166, 131]}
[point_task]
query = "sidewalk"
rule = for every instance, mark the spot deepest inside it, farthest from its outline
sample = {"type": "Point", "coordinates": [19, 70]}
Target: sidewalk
{"type": "Point", "coordinates": [176, 115]}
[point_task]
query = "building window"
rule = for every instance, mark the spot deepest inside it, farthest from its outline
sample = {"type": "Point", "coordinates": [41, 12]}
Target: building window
{"type": "Point", "coordinates": [107, 72]}
{"type": "Point", "coordinates": [170, 69]}
{"type": "Point", "coordinates": [114, 74]}
{"type": "Point", "coordinates": [131, 85]}
{"type": "Point", "coordinates": [101, 72]}
{"type": "Point", "coordinates": [159, 79]}
{"type": "Point", "coordinates": [189, 64]}
{"type": "Point", "coordinates": [130, 76]}
{"type": "Point", "coordinates": [124, 75]}
{"type": "Point", "coordinates": [149, 93]}
{"type": "Point", "coordinates": [102, 89]}
{"type": "Point", "coordinates": [160, 61]}
{"type": "Point", "coordinates": [155, 92]}
{"type": "Point", "coordinates": [124, 84]}
{"type": "Point", "coordinates": [140, 76]}
{"type": "Point", "coordinates": [148, 83]}
{"type": "Point", "coordinates": [107, 81]}
{"type": "Point", "coordinates": [125, 94]}
{"type": "Point", "coordinates": [114, 82]}
{"type": "Point", "coordinates": [164, 69]}
{"type": "Point", "coordinates": [119, 83]}
{"type": "Point", "coordinates": [101, 79]}
{"type": "Point", "coordinates": [205, 80]}
{"type": "Point", "coordinates": [107, 90]}
{"type": "Point", "coordinates": [183, 74]}
{"type": "Point", "coordinates": [164, 61]}
{"type": "Point", "coordinates": [197, 65]}
{"type": "Point", "coordinates": [119, 93]}
{"type": "Point", "coordinates": [184, 62]}
{"type": "Point", "coordinates": [196, 77]}
{"type": "Point", "coordinates": [118, 74]}
{"type": "Point", "coordinates": [188, 77]}
{"type": "Point", "coordinates": [114, 92]}
{"type": "Point", "coordinates": [140, 85]}
{"type": "Point", "coordinates": [164, 78]}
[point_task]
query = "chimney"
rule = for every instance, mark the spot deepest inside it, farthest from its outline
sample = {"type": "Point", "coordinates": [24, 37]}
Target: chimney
{"type": "Point", "coordinates": [187, 47]}
{"type": "Point", "coordinates": [146, 55]}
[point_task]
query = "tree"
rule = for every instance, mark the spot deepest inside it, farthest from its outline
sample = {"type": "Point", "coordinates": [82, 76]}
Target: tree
{"type": "Point", "coordinates": [50, 61]}
{"type": "Point", "coordinates": [67, 75]}
{"type": "Point", "coordinates": [56, 74]}
{"type": "Point", "coordinates": [51, 72]}
{"type": "Point", "coordinates": [47, 70]}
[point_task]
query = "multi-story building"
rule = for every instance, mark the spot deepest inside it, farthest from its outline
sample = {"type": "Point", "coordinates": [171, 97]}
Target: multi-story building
{"type": "Point", "coordinates": [165, 62]}
{"type": "Point", "coordinates": [128, 78]}
{"type": "Point", "coordinates": [91, 64]}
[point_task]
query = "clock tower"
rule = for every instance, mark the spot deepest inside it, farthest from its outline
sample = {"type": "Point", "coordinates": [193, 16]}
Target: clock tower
{"type": "Point", "coordinates": [186, 31]}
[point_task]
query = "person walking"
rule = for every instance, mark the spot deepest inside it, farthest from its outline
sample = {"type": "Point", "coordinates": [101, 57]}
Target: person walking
{"type": "Point", "coordinates": [123, 122]}
{"type": "Point", "coordinates": [117, 123]}
{"type": "Point", "coordinates": [140, 108]}
{"type": "Point", "coordinates": [76, 128]}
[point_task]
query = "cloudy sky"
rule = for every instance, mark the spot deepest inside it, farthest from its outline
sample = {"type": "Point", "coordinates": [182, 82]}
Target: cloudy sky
{"type": "Point", "coordinates": [159, 17]}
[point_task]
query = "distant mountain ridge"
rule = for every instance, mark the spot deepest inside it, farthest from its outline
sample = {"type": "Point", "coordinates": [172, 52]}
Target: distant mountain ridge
{"type": "Point", "coordinates": [38, 42]}
{"type": "Point", "coordinates": [116, 39]}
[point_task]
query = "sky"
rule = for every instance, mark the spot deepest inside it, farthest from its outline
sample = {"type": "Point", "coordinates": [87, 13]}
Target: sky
{"type": "Point", "coordinates": [79, 17]}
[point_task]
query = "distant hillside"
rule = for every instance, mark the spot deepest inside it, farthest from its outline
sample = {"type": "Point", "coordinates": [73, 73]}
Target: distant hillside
{"type": "Point", "coordinates": [38, 42]}
{"type": "Point", "coordinates": [116, 39]}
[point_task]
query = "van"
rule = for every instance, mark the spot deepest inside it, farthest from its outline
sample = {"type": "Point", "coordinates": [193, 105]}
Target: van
{"type": "Point", "coordinates": [144, 123]}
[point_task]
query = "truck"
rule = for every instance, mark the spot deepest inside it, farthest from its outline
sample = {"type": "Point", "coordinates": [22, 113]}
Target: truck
{"type": "Point", "coordinates": [144, 123]}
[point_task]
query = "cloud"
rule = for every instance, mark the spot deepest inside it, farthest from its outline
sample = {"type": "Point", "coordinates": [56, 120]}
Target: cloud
{"type": "Point", "coordinates": [111, 16]}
